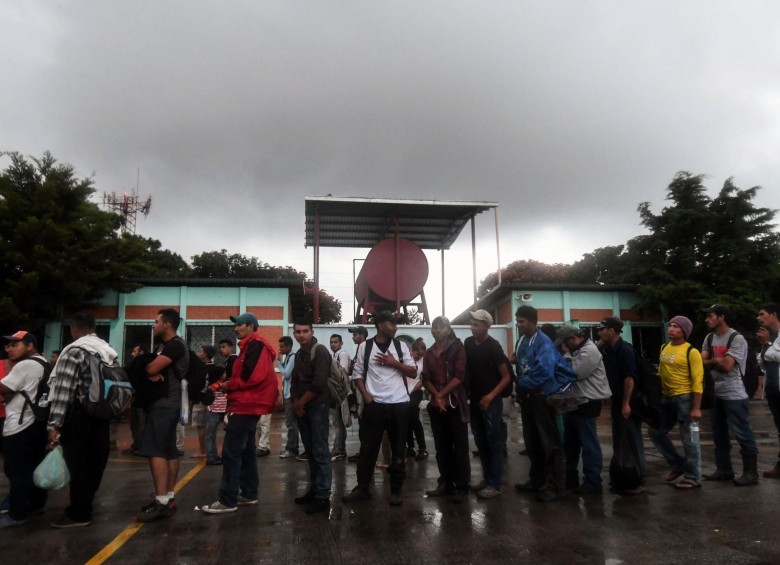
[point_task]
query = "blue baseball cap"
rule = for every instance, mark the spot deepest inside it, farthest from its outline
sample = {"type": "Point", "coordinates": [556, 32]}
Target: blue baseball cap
{"type": "Point", "coordinates": [245, 318]}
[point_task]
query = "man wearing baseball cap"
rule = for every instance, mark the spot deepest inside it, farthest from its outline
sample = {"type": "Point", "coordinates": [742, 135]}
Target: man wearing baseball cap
{"type": "Point", "coordinates": [24, 438]}
{"type": "Point", "coordinates": [359, 335]}
{"type": "Point", "coordinates": [620, 362]}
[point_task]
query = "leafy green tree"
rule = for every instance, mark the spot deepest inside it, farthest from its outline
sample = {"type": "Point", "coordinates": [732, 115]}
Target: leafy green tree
{"type": "Point", "coordinates": [61, 252]}
{"type": "Point", "coordinates": [223, 265]}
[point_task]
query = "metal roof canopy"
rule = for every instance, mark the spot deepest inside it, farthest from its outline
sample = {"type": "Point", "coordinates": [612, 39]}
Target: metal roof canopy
{"type": "Point", "coordinates": [363, 222]}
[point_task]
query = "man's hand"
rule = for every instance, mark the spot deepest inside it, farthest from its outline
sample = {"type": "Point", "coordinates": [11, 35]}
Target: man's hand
{"type": "Point", "coordinates": [367, 398]}
{"type": "Point", "coordinates": [299, 409]}
{"type": "Point", "coordinates": [54, 439]}
{"type": "Point", "coordinates": [626, 411]}
{"type": "Point", "coordinates": [386, 359]}
{"type": "Point", "coordinates": [484, 402]}
{"type": "Point", "coordinates": [440, 403]}
{"type": "Point", "coordinates": [156, 378]}
{"type": "Point", "coordinates": [696, 414]}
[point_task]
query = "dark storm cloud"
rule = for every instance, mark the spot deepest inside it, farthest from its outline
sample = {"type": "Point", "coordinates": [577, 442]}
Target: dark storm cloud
{"type": "Point", "coordinates": [566, 114]}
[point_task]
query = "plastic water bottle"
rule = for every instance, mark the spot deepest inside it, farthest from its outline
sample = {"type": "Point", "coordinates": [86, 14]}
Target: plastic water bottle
{"type": "Point", "coordinates": [695, 432]}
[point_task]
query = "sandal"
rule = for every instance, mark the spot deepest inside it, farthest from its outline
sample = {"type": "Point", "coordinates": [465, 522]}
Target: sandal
{"type": "Point", "coordinates": [673, 475]}
{"type": "Point", "coordinates": [686, 484]}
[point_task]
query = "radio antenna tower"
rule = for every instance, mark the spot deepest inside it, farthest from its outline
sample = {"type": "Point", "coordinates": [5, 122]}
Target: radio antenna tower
{"type": "Point", "coordinates": [127, 206]}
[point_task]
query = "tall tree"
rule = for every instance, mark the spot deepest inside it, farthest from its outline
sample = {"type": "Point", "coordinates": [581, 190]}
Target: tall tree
{"type": "Point", "coordinates": [223, 265]}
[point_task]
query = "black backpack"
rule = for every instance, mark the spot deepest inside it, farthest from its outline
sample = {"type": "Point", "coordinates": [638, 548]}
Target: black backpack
{"type": "Point", "coordinates": [749, 373]}
{"type": "Point", "coordinates": [39, 406]}
{"type": "Point", "coordinates": [110, 391]}
{"type": "Point", "coordinates": [197, 378]}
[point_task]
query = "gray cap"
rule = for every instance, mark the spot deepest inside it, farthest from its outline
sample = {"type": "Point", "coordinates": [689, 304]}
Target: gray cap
{"type": "Point", "coordinates": [482, 316]}
{"type": "Point", "coordinates": [564, 333]}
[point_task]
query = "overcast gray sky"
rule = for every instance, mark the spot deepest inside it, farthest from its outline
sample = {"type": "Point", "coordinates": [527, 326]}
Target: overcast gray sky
{"type": "Point", "coordinates": [568, 114]}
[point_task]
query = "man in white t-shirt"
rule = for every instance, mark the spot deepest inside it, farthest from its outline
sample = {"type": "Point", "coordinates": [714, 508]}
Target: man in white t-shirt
{"type": "Point", "coordinates": [339, 450]}
{"type": "Point", "coordinates": [24, 438]}
{"type": "Point", "coordinates": [382, 383]}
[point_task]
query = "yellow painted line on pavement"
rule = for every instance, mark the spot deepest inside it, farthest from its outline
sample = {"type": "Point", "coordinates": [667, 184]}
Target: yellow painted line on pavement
{"type": "Point", "coordinates": [114, 545]}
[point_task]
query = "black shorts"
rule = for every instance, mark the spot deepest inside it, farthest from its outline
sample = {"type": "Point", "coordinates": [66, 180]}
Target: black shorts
{"type": "Point", "coordinates": [160, 433]}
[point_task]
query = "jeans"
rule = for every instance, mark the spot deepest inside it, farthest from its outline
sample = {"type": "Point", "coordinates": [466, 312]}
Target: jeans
{"type": "Point", "coordinates": [264, 429]}
{"type": "Point", "coordinates": [85, 444]}
{"type": "Point", "coordinates": [732, 414]}
{"type": "Point", "coordinates": [340, 435]}
{"type": "Point", "coordinates": [677, 410]}
{"type": "Point", "coordinates": [313, 426]}
{"type": "Point", "coordinates": [292, 427]}
{"type": "Point", "coordinates": [580, 437]}
{"type": "Point", "coordinates": [543, 443]}
{"type": "Point", "coordinates": [212, 425]}
{"type": "Point", "coordinates": [634, 427]}
{"type": "Point", "coordinates": [239, 461]}
{"type": "Point", "coordinates": [378, 418]}
{"type": "Point", "coordinates": [451, 438]}
{"type": "Point", "coordinates": [486, 429]}
{"type": "Point", "coordinates": [415, 425]}
{"type": "Point", "coordinates": [22, 452]}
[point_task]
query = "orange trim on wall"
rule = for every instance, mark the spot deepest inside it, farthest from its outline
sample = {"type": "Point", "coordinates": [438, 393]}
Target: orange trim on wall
{"type": "Point", "coordinates": [549, 315]}
{"type": "Point", "coordinates": [106, 312]}
{"type": "Point", "coordinates": [267, 312]}
{"type": "Point", "coordinates": [504, 313]}
{"type": "Point", "coordinates": [590, 314]}
{"type": "Point", "coordinates": [272, 334]}
{"type": "Point", "coordinates": [145, 312]}
{"type": "Point", "coordinates": [212, 312]}
{"type": "Point", "coordinates": [637, 316]}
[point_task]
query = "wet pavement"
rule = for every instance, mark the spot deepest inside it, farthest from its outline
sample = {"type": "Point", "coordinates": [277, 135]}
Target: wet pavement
{"type": "Point", "coordinates": [719, 523]}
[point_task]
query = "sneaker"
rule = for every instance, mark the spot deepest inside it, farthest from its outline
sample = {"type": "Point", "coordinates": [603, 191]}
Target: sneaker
{"type": "Point", "coordinates": [217, 461]}
{"type": "Point", "coordinates": [410, 452]}
{"type": "Point", "coordinates": [478, 487]}
{"type": "Point", "coordinates": [442, 489]}
{"type": "Point", "coordinates": [422, 455]}
{"type": "Point", "coordinates": [8, 522]}
{"type": "Point", "coordinates": [154, 511]}
{"type": "Point", "coordinates": [396, 499]}
{"type": "Point", "coordinates": [307, 498]}
{"type": "Point", "coordinates": [319, 505]}
{"type": "Point", "coordinates": [66, 522]}
{"type": "Point", "coordinates": [357, 494]}
{"type": "Point", "coordinates": [638, 490]}
{"type": "Point", "coordinates": [354, 458]}
{"type": "Point", "coordinates": [488, 492]}
{"type": "Point", "coordinates": [338, 457]}
{"type": "Point", "coordinates": [287, 454]}
{"type": "Point", "coordinates": [180, 452]}
{"type": "Point", "coordinates": [5, 506]}
{"type": "Point", "coordinates": [244, 501]}
{"type": "Point", "coordinates": [218, 508]}
{"type": "Point", "coordinates": [302, 457]}
{"type": "Point", "coordinates": [263, 452]}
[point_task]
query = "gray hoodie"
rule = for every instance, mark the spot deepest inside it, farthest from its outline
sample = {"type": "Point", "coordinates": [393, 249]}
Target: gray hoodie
{"type": "Point", "coordinates": [591, 376]}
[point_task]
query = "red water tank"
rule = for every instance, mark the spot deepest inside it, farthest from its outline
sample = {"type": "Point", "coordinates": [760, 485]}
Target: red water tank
{"type": "Point", "coordinates": [377, 278]}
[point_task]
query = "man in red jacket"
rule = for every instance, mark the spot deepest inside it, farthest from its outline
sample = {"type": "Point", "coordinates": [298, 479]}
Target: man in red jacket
{"type": "Point", "coordinates": [252, 392]}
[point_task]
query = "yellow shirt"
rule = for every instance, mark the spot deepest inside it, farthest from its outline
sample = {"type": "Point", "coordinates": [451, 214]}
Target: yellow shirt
{"type": "Point", "coordinates": [676, 379]}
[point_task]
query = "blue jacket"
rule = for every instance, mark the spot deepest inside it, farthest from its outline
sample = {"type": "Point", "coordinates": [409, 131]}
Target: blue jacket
{"type": "Point", "coordinates": [540, 365]}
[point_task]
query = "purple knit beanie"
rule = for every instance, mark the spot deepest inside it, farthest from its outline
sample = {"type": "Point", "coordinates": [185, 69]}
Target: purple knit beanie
{"type": "Point", "coordinates": [685, 324]}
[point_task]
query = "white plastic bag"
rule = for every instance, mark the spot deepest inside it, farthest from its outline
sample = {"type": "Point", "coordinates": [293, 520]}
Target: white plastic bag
{"type": "Point", "coordinates": [184, 415]}
{"type": "Point", "coordinates": [52, 473]}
